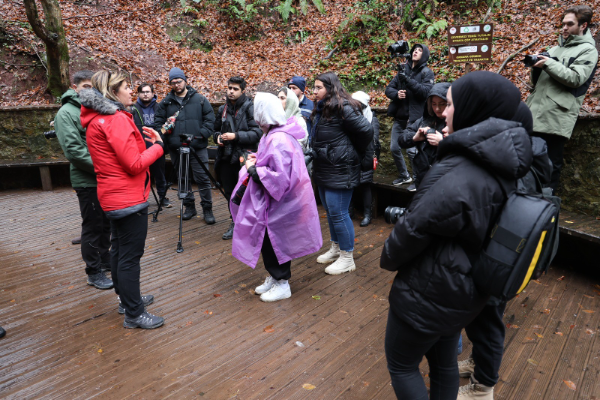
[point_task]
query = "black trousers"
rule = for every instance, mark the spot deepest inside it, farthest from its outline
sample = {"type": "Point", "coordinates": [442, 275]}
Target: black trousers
{"type": "Point", "coordinates": [198, 175]}
{"type": "Point", "coordinates": [404, 350]}
{"type": "Point", "coordinates": [227, 174]}
{"type": "Point", "coordinates": [95, 230]}
{"type": "Point", "coordinates": [157, 170]}
{"type": "Point", "coordinates": [128, 241]}
{"type": "Point", "coordinates": [486, 332]}
{"type": "Point", "coordinates": [276, 270]}
{"type": "Point", "coordinates": [397, 128]}
{"type": "Point", "coordinates": [556, 147]}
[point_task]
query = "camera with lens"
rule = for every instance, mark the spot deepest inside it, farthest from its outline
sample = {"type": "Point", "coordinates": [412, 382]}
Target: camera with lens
{"type": "Point", "coordinates": [393, 214]}
{"type": "Point", "coordinates": [227, 145]}
{"type": "Point", "coordinates": [185, 139]}
{"type": "Point", "coordinates": [50, 134]}
{"type": "Point", "coordinates": [399, 49]}
{"type": "Point", "coordinates": [531, 60]}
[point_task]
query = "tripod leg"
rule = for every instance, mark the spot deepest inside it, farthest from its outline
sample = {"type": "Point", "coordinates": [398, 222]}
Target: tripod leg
{"type": "Point", "coordinates": [182, 189]}
{"type": "Point", "coordinates": [212, 179]}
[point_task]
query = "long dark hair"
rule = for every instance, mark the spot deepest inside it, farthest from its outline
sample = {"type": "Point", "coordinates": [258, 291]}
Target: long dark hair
{"type": "Point", "coordinates": [336, 97]}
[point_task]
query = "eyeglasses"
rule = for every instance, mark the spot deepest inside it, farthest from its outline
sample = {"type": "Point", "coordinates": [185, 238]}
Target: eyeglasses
{"type": "Point", "coordinates": [175, 83]}
{"type": "Point", "coordinates": [145, 92]}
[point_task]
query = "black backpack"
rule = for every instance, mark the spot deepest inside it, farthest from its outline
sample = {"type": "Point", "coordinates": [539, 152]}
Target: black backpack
{"type": "Point", "coordinates": [522, 243]}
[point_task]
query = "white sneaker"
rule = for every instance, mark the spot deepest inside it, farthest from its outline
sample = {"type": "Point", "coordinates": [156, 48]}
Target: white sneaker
{"type": "Point", "coordinates": [475, 390]}
{"type": "Point", "coordinates": [345, 263]}
{"type": "Point", "coordinates": [332, 254]}
{"type": "Point", "coordinates": [279, 291]}
{"type": "Point", "coordinates": [265, 287]}
{"type": "Point", "coordinates": [466, 368]}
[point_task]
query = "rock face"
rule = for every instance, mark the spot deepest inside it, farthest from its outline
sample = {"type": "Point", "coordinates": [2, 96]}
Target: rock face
{"type": "Point", "coordinates": [21, 138]}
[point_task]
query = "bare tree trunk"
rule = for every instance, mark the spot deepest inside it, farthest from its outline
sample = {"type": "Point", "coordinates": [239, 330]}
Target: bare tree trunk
{"type": "Point", "coordinates": [53, 35]}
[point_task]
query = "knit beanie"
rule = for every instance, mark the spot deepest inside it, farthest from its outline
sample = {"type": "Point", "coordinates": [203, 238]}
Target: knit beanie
{"type": "Point", "coordinates": [298, 81]}
{"type": "Point", "coordinates": [176, 73]}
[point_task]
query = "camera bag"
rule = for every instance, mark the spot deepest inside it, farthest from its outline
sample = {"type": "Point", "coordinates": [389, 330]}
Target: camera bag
{"type": "Point", "coordinates": [521, 245]}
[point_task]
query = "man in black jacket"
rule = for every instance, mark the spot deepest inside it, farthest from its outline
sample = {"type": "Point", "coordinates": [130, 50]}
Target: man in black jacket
{"type": "Point", "coordinates": [408, 92]}
{"type": "Point", "coordinates": [235, 132]}
{"type": "Point", "coordinates": [196, 118]}
{"type": "Point", "coordinates": [143, 111]}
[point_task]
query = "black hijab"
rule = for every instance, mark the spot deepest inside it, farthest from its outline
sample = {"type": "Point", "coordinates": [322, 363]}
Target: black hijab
{"type": "Point", "coordinates": [480, 95]}
{"type": "Point", "coordinates": [523, 115]}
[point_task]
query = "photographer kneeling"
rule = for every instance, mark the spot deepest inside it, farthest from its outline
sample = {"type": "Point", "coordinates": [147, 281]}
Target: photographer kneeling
{"type": "Point", "coordinates": [121, 162]}
{"type": "Point", "coordinates": [274, 206]}
{"type": "Point", "coordinates": [433, 295]}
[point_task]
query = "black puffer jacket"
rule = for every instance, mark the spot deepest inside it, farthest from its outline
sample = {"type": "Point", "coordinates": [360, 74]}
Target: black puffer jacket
{"type": "Point", "coordinates": [448, 220]}
{"type": "Point", "coordinates": [420, 82]}
{"type": "Point", "coordinates": [426, 153]}
{"type": "Point", "coordinates": [373, 150]}
{"type": "Point", "coordinates": [197, 118]}
{"type": "Point", "coordinates": [239, 119]}
{"type": "Point", "coordinates": [337, 163]}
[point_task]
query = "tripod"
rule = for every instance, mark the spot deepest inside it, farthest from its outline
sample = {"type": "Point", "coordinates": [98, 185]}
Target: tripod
{"type": "Point", "coordinates": [184, 184]}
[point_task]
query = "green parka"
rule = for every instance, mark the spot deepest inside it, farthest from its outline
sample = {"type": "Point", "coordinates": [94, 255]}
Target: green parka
{"type": "Point", "coordinates": [71, 137]}
{"type": "Point", "coordinates": [561, 86]}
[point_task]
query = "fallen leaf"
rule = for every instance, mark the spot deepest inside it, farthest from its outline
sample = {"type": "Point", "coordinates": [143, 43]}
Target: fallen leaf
{"type": "Point", "coordinates": [588, 311]}
{"type": "Point", "coordinates": [569, 222]}
{"type": "Point", "coordinates": [511, 326]}
{"type": "Point", "coordinates": [217, 295]}
{"type": "Point", "coordinates": [149, 247]}
{"type": "Point", "coordinates": [570, 385]}
{"type": "Point", "coordinates": [561, 278]}
{"type": "Point", "coordinates": [529, 339]}
{"type": "Point", "coordinates": [572, 326]}
{"type": "Point", "coordinates": [546, 311]}
{"type": "Point", "coordinates": [189, 323]}
{"type": "Point", "coordinates": [300, 344]}
{"type": "Point", "coordinates": [589, 331]}
{"type": "Point", "coordinates": [99, 350]}
{"type": "Point", "coordinates": [558, 333]}
{"type": "Point", "coordinates": [197, 242]}
{"type": "Point", "coordinates": [92, 306]}
{"type": "Point", "coordinates": [537, 281]}
{"type": "Point", "coordinates": [316, 297]}
{"type": "Point", "coordinates": [70, 287]}
{"type": "Point", "coordinates": [242, 285]}
{"type": "Point", "coordinates": [269, 329]}
{"type": "Point", "coordinates": [539, 335]}
{"type": "Point", "coordinates": [308, 386]}
{"type": "Point", "coordinates": [588, 296]}
{"type": "Point", "coordinates": [532, 362]}
{"type": "Point", "coordinates": [13, 300]}
{"type": "Point", "coordinates": [344, 312]}
{"type": "Point", "coordinates": [236, 292]}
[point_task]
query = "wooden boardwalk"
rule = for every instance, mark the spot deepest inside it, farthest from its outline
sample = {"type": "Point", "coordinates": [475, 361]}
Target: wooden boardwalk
{"type": "Point", "coordinates": [66, 340]}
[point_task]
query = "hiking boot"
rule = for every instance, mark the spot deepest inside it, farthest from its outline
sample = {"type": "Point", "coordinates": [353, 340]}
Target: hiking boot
{"type": "Point", "coordinates": [412, 187]}
{"type": "Point", "coordinates": [77, 240]}
{"type": "Point", "coordinates": [279, 291]}
{"type": "Point", "coordinates": [147, 300]}
{"type": "Point", "coordinates": [144, 321]}
{"type": "Point", "coordinates": [266, 286]}
{"type": "Point", "coordinates": [2, 332]}
{"type": "Point", "coordinates": [367, 217]}
{"type": "Point", "coordinates": [166, 203]}
{"type": "Point", "coordinates": [402, 181]}
{"type": "Point", "coordinates": [99, 281]}
{"type": "Point", "coordinates": [332, 254]}
{"type": "Point", "coordinates": [466, 368]}
{"type": "Point", "coordinates": [229, 234]}
{"type": "Point", "coordinates": [343, 264]}
{"type": "Point", "coordinates": [475, 390]}
{"type": "Point", "coordinates": [190, 211]}
{"type": "Point", "coordinates": [209, 218]}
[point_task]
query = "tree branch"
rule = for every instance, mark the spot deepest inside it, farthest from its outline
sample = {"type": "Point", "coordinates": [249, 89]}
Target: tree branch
{"type": "Point", "coordinates": [515, 54]}
{"type": "Point", "coordinates": [331, 53]}
{"type": "Point", "coordinates": [35, 21]}
{"type": "Point", "coordinates": [487, 14]}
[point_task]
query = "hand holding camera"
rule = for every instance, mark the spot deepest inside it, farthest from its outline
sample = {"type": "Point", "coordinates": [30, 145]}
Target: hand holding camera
{"type": "Point", "coordinates": [434, 137]}
{"type": "Point", "coordinates": [421, 134]}
{"type": "Point", "coordinates": [536, 60]}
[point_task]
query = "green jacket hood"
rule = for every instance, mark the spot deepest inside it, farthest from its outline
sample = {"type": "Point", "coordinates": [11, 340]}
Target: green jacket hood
{"type": "Point", "coordinates": [70, 96]}
{"type": "Point", "coordinates": [576, 40]}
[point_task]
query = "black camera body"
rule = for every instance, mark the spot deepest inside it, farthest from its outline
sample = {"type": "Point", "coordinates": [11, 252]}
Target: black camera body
{"type": "Point", "coordinates": [50, 134]}
{"type": "Point", "coordinates": [393, 214]}
{"type": "Point", "coordinates": [531, 60]}
{"type": "Point", "coordinates": [227, 145]}
{"type": "Point", "coordinates": [399, 49]}
{"type": "Point", "coordinates": [185, 139]}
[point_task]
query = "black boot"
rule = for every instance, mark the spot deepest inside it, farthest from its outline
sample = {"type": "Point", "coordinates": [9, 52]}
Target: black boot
{"type": "Point", "coordinates": [2, 332]}
{"type": "Point", "coordinates": [99, 281]}
{"type": "Point", "coordinates": [229, 234]}
{"type": "Point", "coordinates": [367, 219]}
{"type": "Point", "coordinates": [190, 211]}
{"type": "Point", "coordinates": [209, 218]}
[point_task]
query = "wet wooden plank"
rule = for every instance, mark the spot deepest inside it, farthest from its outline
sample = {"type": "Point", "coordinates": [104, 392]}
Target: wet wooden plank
{"type": "Point", "coordinates": [580, 225]}
{"type": "Point", "coordinates": [216, 346]}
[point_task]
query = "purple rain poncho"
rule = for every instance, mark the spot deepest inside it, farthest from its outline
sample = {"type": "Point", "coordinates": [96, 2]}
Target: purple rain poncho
{"type": "Point", "coordinates": [283, 202]}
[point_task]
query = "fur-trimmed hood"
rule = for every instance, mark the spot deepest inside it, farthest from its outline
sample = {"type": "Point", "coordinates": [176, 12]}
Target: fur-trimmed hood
{"type": "Point", "coordinates": [94, 104]}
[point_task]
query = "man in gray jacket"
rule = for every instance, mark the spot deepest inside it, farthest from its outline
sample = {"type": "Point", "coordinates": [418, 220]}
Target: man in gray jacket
{"type": "Point", "coordinates": [561, 82]}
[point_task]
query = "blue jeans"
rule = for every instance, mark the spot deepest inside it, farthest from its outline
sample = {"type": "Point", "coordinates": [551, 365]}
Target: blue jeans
{"type": "Point", "coordinates": [336, 203]}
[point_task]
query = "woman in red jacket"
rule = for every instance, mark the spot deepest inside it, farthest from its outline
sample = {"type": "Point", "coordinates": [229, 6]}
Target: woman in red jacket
{"type": "Point", "coordinates": [121, 163]}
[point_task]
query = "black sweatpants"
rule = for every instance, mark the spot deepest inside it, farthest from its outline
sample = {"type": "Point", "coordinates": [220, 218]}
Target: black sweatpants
{"type": "Point", "coordinates": [95, 230]}
{"type": "Point", "coordinates": [276, 270]}
{"type": "Point", "coordinates": [486, 332]}
{"type": "Point", "coordinates": [157, 170]}
{"type": "Point", "coordinates": [228, 177]}
{"type": "Point", "coordinates": [198, 175]}
{"type": "Point", "coordinates": [404, 350]}
{"type": "Point", "coordinates": [128, 241]}
{"type": "Point", "coordinates": [556, 147]}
